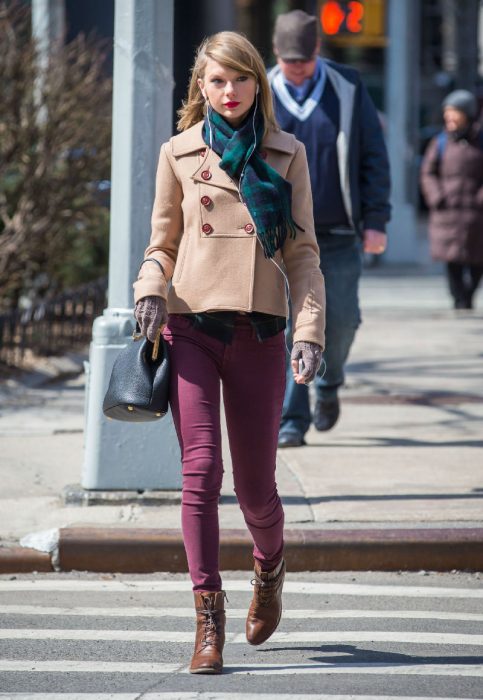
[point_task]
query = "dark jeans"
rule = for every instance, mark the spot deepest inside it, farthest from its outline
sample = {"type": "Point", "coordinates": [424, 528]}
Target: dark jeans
{"type": "Point", "coordinates": [463, 282]}
{"type": "Point", "coordinates": [341, 264]}
{"type": "Point", "coordinates": [252, 375]}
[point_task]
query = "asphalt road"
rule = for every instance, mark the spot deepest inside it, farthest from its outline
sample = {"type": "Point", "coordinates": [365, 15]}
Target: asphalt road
{"type": "Point", "coordinates": [343, 635]}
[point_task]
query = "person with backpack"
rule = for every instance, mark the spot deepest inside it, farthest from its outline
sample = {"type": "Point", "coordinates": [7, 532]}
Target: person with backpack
{"type": "Point", "coordinates": [452, 185]}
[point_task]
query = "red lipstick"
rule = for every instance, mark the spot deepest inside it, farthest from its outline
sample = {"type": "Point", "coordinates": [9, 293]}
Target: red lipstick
{"type": "Point", "coordinates": [231, 105]}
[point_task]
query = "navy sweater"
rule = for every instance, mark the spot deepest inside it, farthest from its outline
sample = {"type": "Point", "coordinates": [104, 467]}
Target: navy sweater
{"type": "Point", "coordinates": [319, 135]}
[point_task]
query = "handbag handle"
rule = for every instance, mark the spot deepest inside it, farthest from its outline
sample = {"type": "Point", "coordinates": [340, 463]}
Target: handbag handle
{"type": "Point", "coordinates": [137, 335]}
{"type": "Point", "coordinates": [156, 344]}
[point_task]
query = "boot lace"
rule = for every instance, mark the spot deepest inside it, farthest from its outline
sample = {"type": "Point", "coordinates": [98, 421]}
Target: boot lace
{"type": "Point", "coordinates": [264, 590]}
{"type": "Point", "coordinates": [211, 623]}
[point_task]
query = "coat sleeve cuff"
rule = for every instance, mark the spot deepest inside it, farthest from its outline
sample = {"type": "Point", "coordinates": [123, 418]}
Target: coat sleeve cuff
{"type": "Point", "coordinates": [376, 223]}
{"type": "Point", "coordinates": [150, 285]}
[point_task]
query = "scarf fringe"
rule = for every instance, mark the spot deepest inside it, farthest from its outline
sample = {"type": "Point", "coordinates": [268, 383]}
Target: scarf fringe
{"type": "Point", "coordinates": [272, 239]}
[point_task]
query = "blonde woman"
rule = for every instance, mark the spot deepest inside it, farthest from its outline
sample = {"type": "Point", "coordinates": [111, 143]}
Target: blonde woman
{"type": "Point", "coordinates": [232, 220]}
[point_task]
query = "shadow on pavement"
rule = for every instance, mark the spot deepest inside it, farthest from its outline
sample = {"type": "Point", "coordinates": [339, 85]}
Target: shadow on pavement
{"type": "Point", "coordinates": [394, 442]}
{"type": "Point", "coordinates": [351, 654]}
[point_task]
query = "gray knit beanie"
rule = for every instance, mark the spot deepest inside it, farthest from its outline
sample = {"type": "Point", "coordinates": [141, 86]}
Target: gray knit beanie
{"type": "Point", "coordinates": [464, 101]}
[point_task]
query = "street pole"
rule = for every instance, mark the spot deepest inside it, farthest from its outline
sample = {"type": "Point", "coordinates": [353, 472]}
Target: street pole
{"type": "Point", "coordinates": [122, 455]}
{"type": "Point", "coordinates": [480, 38]}
{"type": "Point", "coordinates": [460, 41]}
{"type": "Point", "coordinates": [402, 105]}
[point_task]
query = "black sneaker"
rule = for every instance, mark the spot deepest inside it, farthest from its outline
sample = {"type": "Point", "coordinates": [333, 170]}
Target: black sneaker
{"type": "Point", "coordinates": [463, 304]}
{"type": "Point", "coordinates": [326, 413]}
{"type": "Point", "coordinates": [290, 438]}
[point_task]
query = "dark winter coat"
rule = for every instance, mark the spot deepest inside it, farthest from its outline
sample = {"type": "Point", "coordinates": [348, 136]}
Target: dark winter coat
{"type": "Point", "coordinates": [361, 151]}
{"type": "Point", "coordinates": [452, 185]}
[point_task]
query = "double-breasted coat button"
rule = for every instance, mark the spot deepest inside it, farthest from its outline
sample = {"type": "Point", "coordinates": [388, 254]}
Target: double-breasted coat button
{"type": "Point", "coordinates": [205, 200]}
{"type": "Point", "coordinates": [249, 228]}
{"type": "Point", "coordinates": [207, 228]}
{"type": "Point", "coordinates": [206, 175]}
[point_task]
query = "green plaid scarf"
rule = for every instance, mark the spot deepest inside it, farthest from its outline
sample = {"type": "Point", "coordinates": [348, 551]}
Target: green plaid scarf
{"type": "Point", "coordinates": [267, 195]}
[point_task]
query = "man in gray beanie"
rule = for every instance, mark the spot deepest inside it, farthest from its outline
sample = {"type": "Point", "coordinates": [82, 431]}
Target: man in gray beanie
{"type": "Point", "coordinates": [326, 106]}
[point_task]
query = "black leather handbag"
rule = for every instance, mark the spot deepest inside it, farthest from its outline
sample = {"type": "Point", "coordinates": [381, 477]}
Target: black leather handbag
{"type": "Point", "coordinates": [139, 386]}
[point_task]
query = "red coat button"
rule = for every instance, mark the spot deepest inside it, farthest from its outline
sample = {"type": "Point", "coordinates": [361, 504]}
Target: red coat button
{"type": "Point", "coordinates": [249, 228]}
{"type": "Point", "coordinates": [203, 152]}
{"type": "Point", "coordinates": [205, 200]}
{"type": "Point", "coordinates": [206, 175]}
{"type": "Point", "coordinates": [206, 228]}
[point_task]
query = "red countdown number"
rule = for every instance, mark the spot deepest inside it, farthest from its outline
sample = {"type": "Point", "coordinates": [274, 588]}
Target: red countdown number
{"type": "Point", "coordinates": [354, 17]}
{"type": "Point", "coordinates": [333, 16]}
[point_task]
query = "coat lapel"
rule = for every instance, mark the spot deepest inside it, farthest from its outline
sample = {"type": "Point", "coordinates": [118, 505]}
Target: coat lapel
{"type": "Point", "coordinates": [210, 173]}
{"type": "Point", "coordinates": [207, 170]}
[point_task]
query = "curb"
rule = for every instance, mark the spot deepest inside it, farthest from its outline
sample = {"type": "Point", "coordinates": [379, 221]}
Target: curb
{"type": "Point", "coordinates": [123, 550]}
{"type": "Point", "coordinates": [18, 560]}
{"type": "Point", "coordinates": [76, 495]}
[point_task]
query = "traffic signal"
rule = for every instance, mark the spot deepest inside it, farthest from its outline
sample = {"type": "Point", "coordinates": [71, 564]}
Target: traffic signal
{"type": "Point", "coordinates": [339, 16]}
{"type": "Point", "coordinates": [355, 22]}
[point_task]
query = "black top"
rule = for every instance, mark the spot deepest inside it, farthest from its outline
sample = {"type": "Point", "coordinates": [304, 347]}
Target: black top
{"type": "Point", "coordinates": [221, 324]}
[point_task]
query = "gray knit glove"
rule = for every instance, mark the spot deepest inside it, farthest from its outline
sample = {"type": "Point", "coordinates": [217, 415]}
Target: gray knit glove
{"type": "Point", "coordinates": [311, 356]}
{"type": "Point", "coordinates": [150, 313]}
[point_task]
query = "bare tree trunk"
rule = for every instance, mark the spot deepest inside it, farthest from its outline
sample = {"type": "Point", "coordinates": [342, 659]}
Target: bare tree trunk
{"type": "Point", "coordinates": [48, 31]}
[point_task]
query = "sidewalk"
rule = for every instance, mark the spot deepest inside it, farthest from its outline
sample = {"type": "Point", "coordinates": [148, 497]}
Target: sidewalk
{"type": "Point", "coordinates": [397, 484]}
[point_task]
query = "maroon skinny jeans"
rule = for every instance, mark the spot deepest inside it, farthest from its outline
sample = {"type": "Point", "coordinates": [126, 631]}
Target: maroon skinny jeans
{"type": "Point", "coordinates": [252, 375]}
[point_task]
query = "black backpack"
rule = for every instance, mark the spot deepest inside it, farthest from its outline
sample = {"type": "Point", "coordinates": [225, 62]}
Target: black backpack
{"type": "Point", "coordinates": [442, 140]}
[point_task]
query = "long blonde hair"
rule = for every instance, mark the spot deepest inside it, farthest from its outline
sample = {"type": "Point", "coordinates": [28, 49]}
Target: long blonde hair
{"type": "Point", "coordinates": [232, 50]}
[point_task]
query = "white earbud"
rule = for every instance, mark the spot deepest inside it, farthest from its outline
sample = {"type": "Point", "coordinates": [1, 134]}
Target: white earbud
{"type": "Point", "coordinates": [258, 89]}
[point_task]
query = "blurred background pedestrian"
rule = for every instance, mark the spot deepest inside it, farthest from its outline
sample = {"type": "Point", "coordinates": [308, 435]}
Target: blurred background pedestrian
{"type": "Point", "coordinates": [452, 184]}
{"type": "Point", "coordinates": [327, 107]}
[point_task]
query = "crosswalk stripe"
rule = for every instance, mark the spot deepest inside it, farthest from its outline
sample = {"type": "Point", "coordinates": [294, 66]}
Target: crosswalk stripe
{"type": "Point", "coordinates": [73, 666]}
{"type": "Point", "coordinates": [64, 666]}
{"type": "Point", "coordinates": [299, 587]}
{"type": "Point", "coordinates": [210, 696]}
{"type": "Point", "coordinates": [236, 638]}
{"type": "Point", "coordinates": [240, 613]}
{"type": "Point", "coordinates": [376, 669]}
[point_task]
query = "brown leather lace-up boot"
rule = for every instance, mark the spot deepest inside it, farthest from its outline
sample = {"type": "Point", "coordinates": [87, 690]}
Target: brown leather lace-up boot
{"type": "Point", "coordinates": [266, 606]}
{"type": "Point", "coordinates": [210, 632]}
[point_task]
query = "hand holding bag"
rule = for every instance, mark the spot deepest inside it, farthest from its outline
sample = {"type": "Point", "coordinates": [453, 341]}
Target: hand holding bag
{"type": "Point", "coordinates": [139, 386]}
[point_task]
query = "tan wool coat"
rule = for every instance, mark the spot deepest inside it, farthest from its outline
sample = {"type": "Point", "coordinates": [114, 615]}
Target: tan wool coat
{"type": "Point", "coordinates": [205, 238]}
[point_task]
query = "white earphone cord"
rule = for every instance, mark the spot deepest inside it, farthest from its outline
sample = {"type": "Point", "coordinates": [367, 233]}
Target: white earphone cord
{"type": "Point", "coordinates": [287, 297]}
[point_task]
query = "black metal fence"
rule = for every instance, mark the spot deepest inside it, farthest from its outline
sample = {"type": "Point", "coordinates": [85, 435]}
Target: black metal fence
{"type": "Point", "coordinates": [52, 327]}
